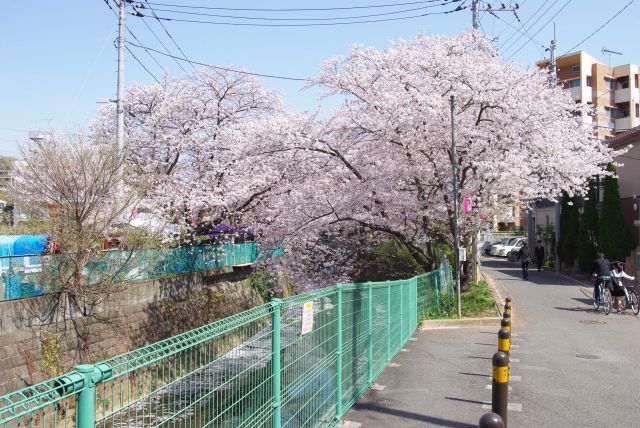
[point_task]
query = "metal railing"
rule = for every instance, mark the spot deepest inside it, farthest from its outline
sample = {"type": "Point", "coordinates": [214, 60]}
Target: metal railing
{"type": "Point", "coordinates": [299, 361]}
{"type": "Point", "coordinates": [30, 275]}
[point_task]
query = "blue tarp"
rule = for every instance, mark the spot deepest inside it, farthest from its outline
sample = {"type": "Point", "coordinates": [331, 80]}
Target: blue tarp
{"type": "Point", "coordinates": [22, 245]}
{"type": "Point", "coordinates": [12, 265]}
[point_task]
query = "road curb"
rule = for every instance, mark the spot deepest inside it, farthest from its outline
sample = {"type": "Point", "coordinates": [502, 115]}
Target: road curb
{"type": "Point", "coordinates": [460, 323]}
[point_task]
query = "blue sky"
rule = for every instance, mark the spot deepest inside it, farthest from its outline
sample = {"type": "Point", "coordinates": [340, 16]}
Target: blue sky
{"type": "Point", "coordinates": [58, 57]}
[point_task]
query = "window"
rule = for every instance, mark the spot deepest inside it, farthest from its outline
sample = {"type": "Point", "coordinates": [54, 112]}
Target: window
{"type": "Point", "coordinates": [623, 82]}
{"type": "Point", "coordinates": [637, 110]}
{"type": "Point", "coordinates": [589, 81]}
{"type": "Point", "coordinates": [637, 82]}
{"type": "Point", "coordinates": [608, 83]}
{"type": "Point", "coordinates": [608, 112]}
{"type": "Point", "coordinates": [574, 83]}
{"type": "Point", "coordinates": [575, 68]}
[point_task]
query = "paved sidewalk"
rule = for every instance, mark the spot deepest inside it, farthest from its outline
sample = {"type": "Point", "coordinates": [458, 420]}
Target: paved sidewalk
{"type": "Point", "coordinates": [441, 380]}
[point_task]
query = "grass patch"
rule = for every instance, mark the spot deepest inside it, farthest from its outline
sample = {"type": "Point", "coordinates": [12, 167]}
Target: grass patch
{"type": "Point", "coordinates": [476, 303]}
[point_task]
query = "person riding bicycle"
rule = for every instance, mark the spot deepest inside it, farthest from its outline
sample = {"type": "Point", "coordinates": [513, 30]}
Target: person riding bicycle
{"type": "Point", "coordinates": [602, 273]}
{"type": "Point", "coordinates": [618, 284]}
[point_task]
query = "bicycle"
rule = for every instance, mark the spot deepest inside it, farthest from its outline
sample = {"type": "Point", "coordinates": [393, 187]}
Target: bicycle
{"type": "Point", "coordinates": [631, 300]}
{"type": "Point", "coordinates": [605, 295]}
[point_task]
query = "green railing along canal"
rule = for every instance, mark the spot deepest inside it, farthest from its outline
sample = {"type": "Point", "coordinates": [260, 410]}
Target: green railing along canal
{"type": "Point", "coordinates": [27, 276]}
{"type": "Point", "coordinates": [301, 361]}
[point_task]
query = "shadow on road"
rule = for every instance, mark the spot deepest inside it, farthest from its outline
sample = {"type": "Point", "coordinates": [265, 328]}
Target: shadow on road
{"type": "Point", "coordinates": [464, 400]}
{"type": "Point", "coordinates": [474, 374]}
{"type": "Point", "coordinates": [580, 309]}
{"type": "Point", "coordinates": [413, 416]}
{"type": "Point", "coordinates": [514, 270]}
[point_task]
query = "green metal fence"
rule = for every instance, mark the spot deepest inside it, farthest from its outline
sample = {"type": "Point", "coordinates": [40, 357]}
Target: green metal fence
{"type": "Point", "coordinates": [301, 361]}
{"type": "Point", "coordinates": [28, 276]}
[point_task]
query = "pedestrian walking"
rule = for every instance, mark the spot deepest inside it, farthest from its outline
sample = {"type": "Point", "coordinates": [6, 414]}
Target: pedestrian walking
{"type": "Point", "coordinates": [538, 251]}
{"type": "Point", "coordinates": [524, 255]}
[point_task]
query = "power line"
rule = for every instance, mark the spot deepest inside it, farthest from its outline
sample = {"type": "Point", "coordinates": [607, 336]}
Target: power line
{"type": "Point", "coordinates": [543, 27]}
{"type": "Point", "coordinates": [525, 22]}
{"type": "Point", "coordinates": [535, 42]}
{"type": "Point", "coordinates": [324, 24]}
{"type": "Point", "coordinates": [602, 26]}
{"type": "Point", "coordinates": [138, 40]}
{"type": "Point", "coordinates": [294, 9]}
{"type": "Point", "coordinates": [270, 76]}
{"type": "Point", "coordinates": [142, 65]}
{"type": "Point", "coordinates": [168, 34]}
{"type": "Point", "coordinates": [258, 18]}
{"type": "Point", "coordinates": [544, 12]}
{"type": "Point", "coordinates": [162, 44]}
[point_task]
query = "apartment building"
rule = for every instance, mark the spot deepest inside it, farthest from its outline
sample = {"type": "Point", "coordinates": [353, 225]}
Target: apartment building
{"type": "Point", "coordinates": [612, 90]}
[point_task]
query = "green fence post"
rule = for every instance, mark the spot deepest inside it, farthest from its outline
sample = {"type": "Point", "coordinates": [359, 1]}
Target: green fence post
{"type": "Point", "coordinates": [339, 353]}
{"type": "Point", "coordinates": [388, 322]}
{"type": "Point", "coordinates": [401, 313]}
{"type": "Point", "coordinates": [436, 276]}
{"type": "Point", "coordinates": [86, 398]}
{"type": "Point", "coordinates": [276, 366]}
{"type": "Point", "coordinates": [370, 328]}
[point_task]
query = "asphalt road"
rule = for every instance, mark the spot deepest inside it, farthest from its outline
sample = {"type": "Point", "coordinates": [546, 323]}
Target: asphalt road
{"type": "Point", "coordinates": [571, 366]}
{"type": "Point", "coordinates": [578, 366]}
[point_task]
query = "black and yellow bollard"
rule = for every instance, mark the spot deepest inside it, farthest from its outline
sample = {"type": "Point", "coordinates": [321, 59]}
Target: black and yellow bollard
{"type": "Point", "coordinates": [507, 300]}
{"type": "Point", "coordinates": [504, 341]}
{"type": "Point", "coordinates": [500, 385]}
{"type": "Point", "coordinates": [506, 324]}
{"type": "Point", "coordinates": [507, 307]}
{"type": "Point", "coordinates": [491, 420]}
{"type": "Point", "coordinates": [507, 316]}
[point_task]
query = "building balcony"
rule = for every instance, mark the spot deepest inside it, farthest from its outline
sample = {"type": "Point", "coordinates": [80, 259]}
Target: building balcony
{"type": "Point", "coordinates": [623, 123]}
{"type": "Point", "coordinates": [627, 94]}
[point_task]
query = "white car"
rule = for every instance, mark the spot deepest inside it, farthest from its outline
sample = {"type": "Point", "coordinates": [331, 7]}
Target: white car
{"type": "Point", "coordinates": [506, 249]}
{"type": "Point", "coordinates": [496, 248]}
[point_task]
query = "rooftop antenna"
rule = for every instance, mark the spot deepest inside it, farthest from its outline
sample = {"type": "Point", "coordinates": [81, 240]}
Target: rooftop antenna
{"type": "Point", "coordinates": [606, 51]}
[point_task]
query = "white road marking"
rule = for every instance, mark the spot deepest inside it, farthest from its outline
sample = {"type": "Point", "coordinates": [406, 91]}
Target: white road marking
{"type": "Point", "coordinates": [491, 387]}
{"type": "Point", "coordinates": [405, 350]}
{"type": "Point", "coordinates": [394, 365]}
{"type": "Point", "coordinates": [350, 424]}
{"type": "Point", "coordinates": [377, 387]}
{"type": "Point", "coordinates": [514, 407]}
{"type": "Point", "coordinates": [511, 378]}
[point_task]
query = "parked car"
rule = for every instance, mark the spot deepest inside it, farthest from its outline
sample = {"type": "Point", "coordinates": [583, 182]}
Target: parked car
{"type": "Point", "coordinates": [504, 251]}
{"type": "Point", "coordinates": [486, 246]}
{"type": "Point", "coordinates": [496, 248]}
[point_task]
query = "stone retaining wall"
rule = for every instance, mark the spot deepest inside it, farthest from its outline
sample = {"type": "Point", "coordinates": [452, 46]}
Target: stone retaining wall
{"type": "Point", "coordinates": [34, 348]}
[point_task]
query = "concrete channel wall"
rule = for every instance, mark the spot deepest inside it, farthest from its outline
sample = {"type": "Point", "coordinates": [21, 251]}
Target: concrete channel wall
{"type": "Point", "coordinates": [33, 347]}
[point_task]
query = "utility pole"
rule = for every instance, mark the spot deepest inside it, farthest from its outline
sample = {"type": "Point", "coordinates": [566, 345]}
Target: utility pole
{"type": "Point", "coordinates": [475, 19]}
{"type": "Point", "coordinates": [554, 81]}
{"type": "Point", "coordinates": [120, 96]}
{"type": "Point", "coordinates": [456, 236]}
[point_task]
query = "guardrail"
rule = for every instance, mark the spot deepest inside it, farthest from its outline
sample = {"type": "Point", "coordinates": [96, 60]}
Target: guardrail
{"type": "Point", "coordinates": [299, 361]}
{"type": "Point", "coordinates": [29, 275]}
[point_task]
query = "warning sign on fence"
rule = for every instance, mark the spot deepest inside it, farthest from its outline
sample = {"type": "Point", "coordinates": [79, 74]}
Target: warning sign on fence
{"type": "Point", "coordinates": [307, 317]}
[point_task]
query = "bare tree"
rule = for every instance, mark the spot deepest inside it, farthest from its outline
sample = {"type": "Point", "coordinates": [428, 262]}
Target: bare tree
{"type": "Point", "coordinates": [82, 192]}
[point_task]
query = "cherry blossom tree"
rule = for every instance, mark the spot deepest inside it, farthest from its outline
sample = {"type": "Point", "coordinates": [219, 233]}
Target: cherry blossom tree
{"type": "Point", "coordinates": [195, 136]}
{"type": "Point", "coordinates": [379, 167]}
{"type": "Point", "coordinates": [387, 148]}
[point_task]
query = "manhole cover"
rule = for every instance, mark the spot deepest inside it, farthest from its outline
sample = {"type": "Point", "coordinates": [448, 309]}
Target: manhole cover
{"type": "Point", "coordinates": [592, 322]}
{"type": "Point", "coordinates": [587, 356]}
